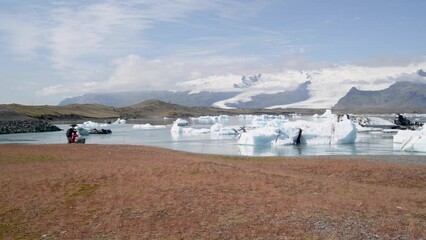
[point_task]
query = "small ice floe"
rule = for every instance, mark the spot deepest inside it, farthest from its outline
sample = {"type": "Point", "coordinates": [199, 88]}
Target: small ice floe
{"type": "Point", "coordinates": [326, 114]}
{"type": "Point", "coordinates": [119, 121]}
{"type": "Point", "coordinates": [148, 126]}
{"type": "Point", "coordinates": [90, 124]}
{"type": "Point", "coordinates": [410, 141]}
{"type": "Point", "coordinates": [182, 126]}
{"type": "Point", "coordinates": [189, 130]}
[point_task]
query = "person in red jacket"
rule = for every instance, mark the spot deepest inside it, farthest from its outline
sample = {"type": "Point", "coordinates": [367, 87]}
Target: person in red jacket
{"type": "Point", "coordinates": [74, 136]}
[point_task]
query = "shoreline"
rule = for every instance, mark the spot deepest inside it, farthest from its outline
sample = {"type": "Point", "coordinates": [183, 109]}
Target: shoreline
{"type": "Point", "coordinates": [124, 191]}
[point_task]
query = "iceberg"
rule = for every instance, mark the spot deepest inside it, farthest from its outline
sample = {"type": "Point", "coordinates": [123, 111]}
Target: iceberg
{"type": "Point", "coordinates": [119, 121]}
{"type": "Point", "coordinates": [410, 141]}
{"type": "Point", "coordinates": [288, 136]}
{"type": "Point", "coordinates": [90, 124]}
{"type": "Point", "coordinates": [181, 126]}
{"type": "Point", "coordinates": [326, 114]}
{"type": "Point", "coordinates": [259, 136]}
{"type": "Point", "coordinates": [331, 130]}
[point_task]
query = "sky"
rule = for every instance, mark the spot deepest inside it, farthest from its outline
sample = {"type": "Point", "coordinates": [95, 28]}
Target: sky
{"type": "Point", "coordinates": [50, 50]}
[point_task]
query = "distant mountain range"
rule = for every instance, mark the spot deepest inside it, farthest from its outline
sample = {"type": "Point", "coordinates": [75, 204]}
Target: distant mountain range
{"type": "Point", "coordinates": [318, 90]}
{"type": "Point", "coordinates": [399, 96]}
{"type": "Point", "coordinates": [192, 99]}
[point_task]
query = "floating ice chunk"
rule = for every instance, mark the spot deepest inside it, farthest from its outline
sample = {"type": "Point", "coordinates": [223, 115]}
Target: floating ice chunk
{"type": "Point", "coordinates": [189, 130]}
{"type": "Point", "coordinates": [411, 141]}
{"type": "Point", "coordinates": [90, 124]}
{"type": "Point", "coordinates": [119, 121]}
{"type": "Point", "coordinates": [259, 136]}
{"type": "Point", "coordinates": [148, 126]}
{"type": "Point", "coordinates": [326, 114]}
{"type": "Point", "coordinates": [343, 132]}
{"type": "Point", "coordinates": [181, 126]}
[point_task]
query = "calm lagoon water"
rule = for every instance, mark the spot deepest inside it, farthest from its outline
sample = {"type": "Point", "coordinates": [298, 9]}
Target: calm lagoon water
{"type": "Point", "coordinates": [371, 143]}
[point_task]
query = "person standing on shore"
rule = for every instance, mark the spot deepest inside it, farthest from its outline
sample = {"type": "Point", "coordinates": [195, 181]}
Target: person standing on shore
{"type": "Point", "coordinates": [70, 132]}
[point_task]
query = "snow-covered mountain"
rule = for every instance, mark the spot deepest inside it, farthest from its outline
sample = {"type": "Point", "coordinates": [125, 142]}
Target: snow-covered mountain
{"type": "Point", "coordinates": [321, 88]}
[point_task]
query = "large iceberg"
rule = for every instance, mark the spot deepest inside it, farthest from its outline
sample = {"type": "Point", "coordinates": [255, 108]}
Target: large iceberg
{"type": "Point", "coordinates": [332, 130]}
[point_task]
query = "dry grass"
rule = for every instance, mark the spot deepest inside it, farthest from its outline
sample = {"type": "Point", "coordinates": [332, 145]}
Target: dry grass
{"type": "Point", "coordinates": [121, 192]}
{"type": "Point", "coordinates": [83, 110]}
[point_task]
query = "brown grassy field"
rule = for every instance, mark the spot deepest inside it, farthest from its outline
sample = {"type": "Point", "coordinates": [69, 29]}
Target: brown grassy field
{"type": "Point", "coordinates": [135, 192]}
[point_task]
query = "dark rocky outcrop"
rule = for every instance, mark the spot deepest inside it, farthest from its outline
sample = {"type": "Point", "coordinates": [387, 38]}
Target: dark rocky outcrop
{"type": "Point", "coordinates": [26, 126]}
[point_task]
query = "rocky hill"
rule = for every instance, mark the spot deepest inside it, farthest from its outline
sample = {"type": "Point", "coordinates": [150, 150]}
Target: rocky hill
{"type": "Point", "coordinates": [401, 96]}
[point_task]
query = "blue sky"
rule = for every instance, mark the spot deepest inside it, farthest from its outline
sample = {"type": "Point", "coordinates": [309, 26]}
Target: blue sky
{"type": "Point", "coordinates": [50, 50]}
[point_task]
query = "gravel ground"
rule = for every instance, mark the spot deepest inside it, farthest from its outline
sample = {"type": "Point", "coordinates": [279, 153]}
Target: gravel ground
{"type": "Point", "coordinates": [400, 159]}
{"type": "Point", "coordinates": [72, 191]}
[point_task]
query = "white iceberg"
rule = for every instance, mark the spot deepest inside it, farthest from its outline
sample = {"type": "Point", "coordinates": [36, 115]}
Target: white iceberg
{"type": "Point", "coordinates": [259, 136]}
{"type": "Point", "coordinates": [410, 141]}
{"type": "Point", "coordinates": [326, 114]}
{"type": "Point", "coordinates": [328, 132]}
{"type": "Point", "coordinates": [181, 126]}
{"type": "Point", "coordinates": [90, 124]}
{"type": "Point", "coordinates": [119, 121]}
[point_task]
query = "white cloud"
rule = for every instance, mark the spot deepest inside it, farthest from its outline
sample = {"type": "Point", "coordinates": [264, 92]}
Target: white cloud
{"type": "Point", "coordinates": [137, 73]}
{"type": "Point", "coordinates": [22, 36]}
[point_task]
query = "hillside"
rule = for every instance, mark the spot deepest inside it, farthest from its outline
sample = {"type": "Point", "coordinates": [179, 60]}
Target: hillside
{"type": "Point", "coordinates": [123, 99]}
{"type": "Point", "coordinates": [48, 112]}
{"type": "Point", "coordinates": [401, 96]}
{"type": "Point", "coordinates": [149, 108]}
